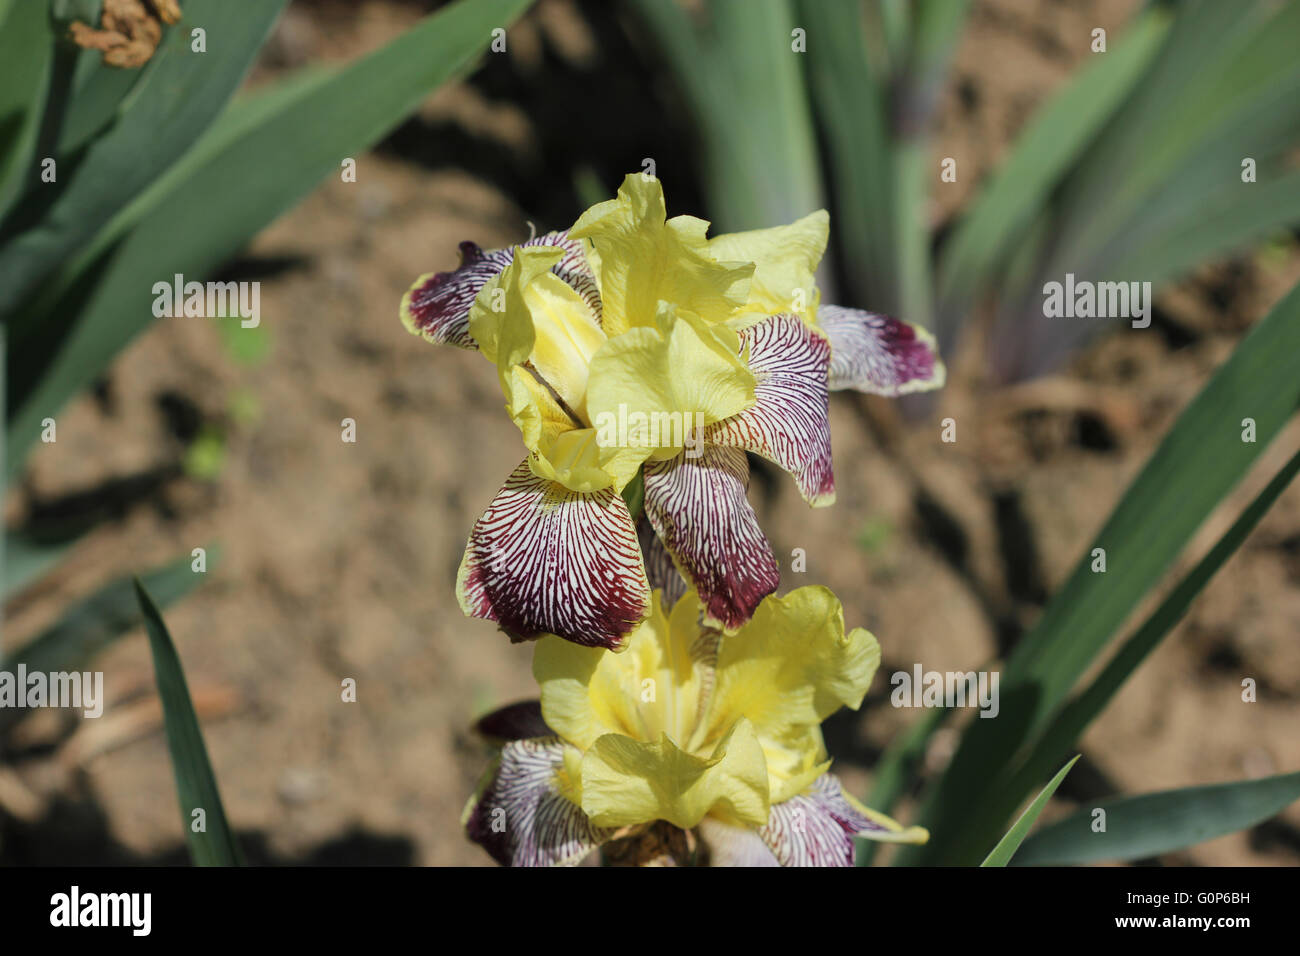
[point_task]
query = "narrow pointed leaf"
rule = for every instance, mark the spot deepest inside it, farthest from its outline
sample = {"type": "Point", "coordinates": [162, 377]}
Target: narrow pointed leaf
{"type": "Point", "coordinates": [196, 786]}
{"type": "Point", "coordinates": [1001, 854]}
{"type": "Point", "coordinates": [1155, 823]}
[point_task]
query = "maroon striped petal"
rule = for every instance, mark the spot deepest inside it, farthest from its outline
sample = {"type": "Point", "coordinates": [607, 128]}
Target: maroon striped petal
{"type": "Point", "coordinates": [699, 510]}
{"type": "Point", "coordinates": [547, 560]}
{"type": "Point", "coordinates": [514, 722]}
{"type": "Point", "coordinates": [437, 305]}
{"type": "Point", "coordinates": [787, 423]}
{"type": "Point", "coordinates": [816, 828]}
{"type": "Point", "coordinates": [878, 353]}
{"type": "Point", "coordinates": [519, 814]}
{"type": "Point", "coordinates": [659, 568]}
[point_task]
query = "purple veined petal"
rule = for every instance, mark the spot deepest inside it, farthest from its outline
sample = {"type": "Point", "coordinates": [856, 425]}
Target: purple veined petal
{"type": "Point", "coordinates": [878, 353]}
{"type": "Point", "coordinates": [730, 845]}
{"type": "Point", "coordinates": [700, 512]}
{"type": "Point", "coordinates": [516, 721]}
{"type": "Point", "coordinates": [788, 421]}
{"type": "Point", "coordinates": [437, 305]}
{"type": "Point", "coordinates": [520, 816]}
{"type": "Point", "coordinates": [547, 560]}
{"type": "Point", "coordinates": [659, 568]}
{"type": "Point", "coordinates": [816, 828]}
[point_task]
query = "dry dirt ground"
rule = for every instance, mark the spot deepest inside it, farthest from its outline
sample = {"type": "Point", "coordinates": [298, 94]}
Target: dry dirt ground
{"type": "Point", "coordinates": [338, 560]}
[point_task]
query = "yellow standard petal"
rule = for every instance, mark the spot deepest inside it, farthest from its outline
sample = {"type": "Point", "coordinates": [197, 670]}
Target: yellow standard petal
{"type": "Point", "coordinates": [626, 781]}
{"type": "Point", "coordinates": [566, 336]}
{"type": "Point", "coordinates": [785, 264]}
{"type": "Point", "coordinates": [790, 668]}
{"type": "Point", "coordinates": [641, 259]}
{"type": "Point", "coordinates": [500, 319]}
{"type": "Point", "coordinates": [653, 687]}
{"type": "Point", "coordinates": [653, 387]}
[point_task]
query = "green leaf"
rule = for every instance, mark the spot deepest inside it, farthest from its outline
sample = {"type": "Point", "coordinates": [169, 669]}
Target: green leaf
{"type": "Point", "coordinates": [1155, 823]}
{"type": "Point", "coordinates": [1043, 153]}
{"type": "Point", "coordinates": [1160, 189]}
{"type": "Point", "coordinates": [25, 560]}
{"type": "Point", "coordinates": [1068, 725]}
{"type": "Point", "coordinates": [1001, 854]}
{"type": "Point", "coordinates": [258, 160]}
{"type": "Point", "coordinates": [852, 111]}
{"type": "Point", "coordinates": [896, 768]}
{"type": "Point", "coordinates": [746, 89]}
{"type": "Point", "coordinates": [26, 54]}
{"type": "Point", "coordinates": [94, 623]}
{"type": "Point", "coordinates": [1197, 464]}
{"type": "Point", "coordinates": [178, 94]}
{"type": "Point", "coordinates": [196, 786]}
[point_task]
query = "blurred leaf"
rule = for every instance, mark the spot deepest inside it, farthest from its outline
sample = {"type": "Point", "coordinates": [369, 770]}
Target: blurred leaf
{"type": "Point", "coordinates": [1050, 144]}
{"type": "Point", "coordinates": [87, 11]}
{"type": "Point", "coordinates": [98, 93]}
{"type": "Point", "coordinates": [247, 346]}
{"type": "Point", "coordinates": [206, 455]}
{"type": "Point", "coordinates": [1159, 189]}
{"type": "Point", "coordinates": [178, 94]}
{"type": "Point", "coordinates": [93, 623]}
{"type": "Point", "coordinates": [745, 86]}
{"type": "Point", "coordinates": [1198, 462]}
{"type": "Point", "coordinates": [1001, 854]}
{"type": "Point", "coordinates": [897, 768]}
{"type": "Point", "coordinates": [875, 534]}
{"type": "Point", "coordinates": [25, 560]}
{"type": "Point", "coordinates": [1155, 823]}
{"type": "Point", "coordinates": [852, 111]}
{"type": "Point", "coordinates": [196, 786]}
{"type": "Point", "coordinates": [26, 55]}
{"type": "Point", "coordinates": [257, 160]}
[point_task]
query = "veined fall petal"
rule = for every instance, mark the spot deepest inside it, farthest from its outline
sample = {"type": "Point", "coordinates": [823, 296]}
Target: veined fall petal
{"type": "Point", "coordinates": [437, 305]}
{"type": "Point", "coordinates": [879, 354]}
{"type": "Point", "coordinates": [520, 815]}
{"type": "Point", "coordinates": [817, 827]}
{"type": "Point", "coordinates": [787, 423]}
{"type": "Point", "coordinates": [699, 511]}
{"type": "Point", "coordinates": [547, 560]}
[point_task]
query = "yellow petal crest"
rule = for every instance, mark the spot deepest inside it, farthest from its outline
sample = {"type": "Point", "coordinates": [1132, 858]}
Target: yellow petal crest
{"type": "Point", "coordinates": [651, 387]}
{"type": "Point", "coordinates": [652, 687]}
{"type": "Point", "coordinates": [626, 781]}
{"type": "Point", "coordinates": [790, 668]}
{"type": "Point", "coordinates": [785, 264]}
{"type": "Point", "coordinates": [642, 259]}
{"type": "Point", "coordinates": [566, 335]}
{"type": "Point", "coordinates": [499, 319]}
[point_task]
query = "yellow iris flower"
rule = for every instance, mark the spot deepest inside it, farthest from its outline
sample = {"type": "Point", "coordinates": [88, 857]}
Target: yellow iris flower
{"type": "Point", "coordinates": [633, 347]}
{"type": "Point", "coordinates": [708, 732]}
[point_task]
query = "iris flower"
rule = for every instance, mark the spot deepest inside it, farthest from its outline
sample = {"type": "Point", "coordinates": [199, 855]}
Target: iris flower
{"type": "Point", "coordinates": [632, 347]}
{"type": "Point", "coordinates": [713, 733]}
